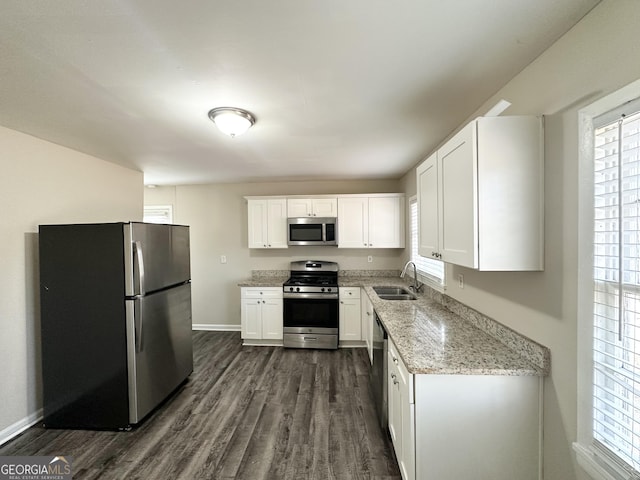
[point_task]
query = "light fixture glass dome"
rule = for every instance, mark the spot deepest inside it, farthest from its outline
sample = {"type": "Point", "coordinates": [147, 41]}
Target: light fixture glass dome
{"type": "Point", "coordinates": [232, 121]}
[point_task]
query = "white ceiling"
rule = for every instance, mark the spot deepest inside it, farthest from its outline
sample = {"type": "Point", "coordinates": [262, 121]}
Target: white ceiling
{"type": "Point", "coordinates": [341, 89]}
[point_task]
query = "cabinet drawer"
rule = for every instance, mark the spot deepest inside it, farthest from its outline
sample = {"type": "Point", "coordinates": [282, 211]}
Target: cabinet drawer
{"type": "Point", "coordinates": [349, 292]}
{"type": "Point", "coordinates": [262, 292]}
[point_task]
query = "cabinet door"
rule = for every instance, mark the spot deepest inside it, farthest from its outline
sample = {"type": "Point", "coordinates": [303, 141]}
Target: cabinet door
{"type": "Point", "coordinates": [272, 319]}
{"type": "Point", "coordinates": [367, 323]}
{"type": "Point", "coordinates": [394, 405]}
{"type": "Point", "coordinates": [277, 223]}
{"type": "Point", "coordinates": [298, 207]}
{"type": "Point", "coordinates": [324, 207]}
{"type": "Point", "coordinates": [353, 222]}
{"type": "Point", "coordinates": [428, 225]}
{"type": "Point", "coordinates": [251, 318]}
{"type": "Point", "coordinates": [406, 460]}
{"type": "Point", "coordinates": [386, 222]}
{"type": "Point", "coordinates": [350, 319]}
{"type": "Point", "coordinates": [257, 216]}
{"type": "Point", "coordinates": [458, 193]}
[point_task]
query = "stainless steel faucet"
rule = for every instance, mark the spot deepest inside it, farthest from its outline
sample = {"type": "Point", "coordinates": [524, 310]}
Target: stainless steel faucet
{"type": "Point", "coordinates": [416, 284]}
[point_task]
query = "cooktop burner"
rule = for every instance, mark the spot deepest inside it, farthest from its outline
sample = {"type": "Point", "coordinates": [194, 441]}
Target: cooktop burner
{"type": "Point", "coordinates": [312, 276]}
{"type": "Point", "coordinates": [308, 280]}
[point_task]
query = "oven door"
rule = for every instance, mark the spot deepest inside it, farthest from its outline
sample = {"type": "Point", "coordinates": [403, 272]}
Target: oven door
{"type": "Point", "coordinates": [310, 313]}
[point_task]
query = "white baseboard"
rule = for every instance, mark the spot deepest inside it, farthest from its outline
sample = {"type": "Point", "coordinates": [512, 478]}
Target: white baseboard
{"type": "Point", "coordinates": [215, 328]}
{"type": "Point", "coordinates": [20, 426]}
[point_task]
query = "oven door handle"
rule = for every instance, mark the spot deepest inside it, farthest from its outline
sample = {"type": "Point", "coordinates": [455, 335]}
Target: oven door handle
{"type": "Point", "coordinates": [311, 296]}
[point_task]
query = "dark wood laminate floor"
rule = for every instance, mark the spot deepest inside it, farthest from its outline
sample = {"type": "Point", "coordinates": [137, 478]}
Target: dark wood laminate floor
{"type": "Point", "coordinates": [246, 413]}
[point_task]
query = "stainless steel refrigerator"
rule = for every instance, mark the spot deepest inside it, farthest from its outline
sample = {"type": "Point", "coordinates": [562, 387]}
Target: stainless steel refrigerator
{"type": "Point", "coordinates": [115, 301]}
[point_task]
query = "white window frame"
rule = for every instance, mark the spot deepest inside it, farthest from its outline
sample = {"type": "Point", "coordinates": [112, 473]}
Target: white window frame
{"type": "Point", "coordinates": [598, 463]}
{"type": "Point", "coordinates": [436, 282]}
{"type": "Point", "coordinates": [158, 213]}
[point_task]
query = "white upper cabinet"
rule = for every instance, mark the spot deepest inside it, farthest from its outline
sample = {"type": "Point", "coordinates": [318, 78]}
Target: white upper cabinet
{"type": "Point", "coordinates": [372, 221]}
{"type": "Point", "coordinates": [427, 177]}
{"type": "Point", "coordinates": [480, 196]}
{"type": "Point", "coordinates": [267, 223]}
{"type": "Point", "coordinates": [312, 207]}
{"type": "Point", "coordinates": [353, 222]}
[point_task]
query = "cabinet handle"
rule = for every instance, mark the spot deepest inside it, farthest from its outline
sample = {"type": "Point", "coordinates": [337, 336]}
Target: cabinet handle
{"type": "Point", "coordinates": [395, 382]}
{"type": "Point", "coordinates": [395, 360]}
{"type": "Point", "coordinates": [350, 293]}
{"type": "Point", "coordinates": [393, 375]}
{"type": "Point", "coordinates": [258, 302]}
{"type": "Point", "coordinates": [264, 301]}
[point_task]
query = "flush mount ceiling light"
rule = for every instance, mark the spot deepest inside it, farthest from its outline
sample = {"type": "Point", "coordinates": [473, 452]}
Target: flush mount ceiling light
{"type": "Point", "coordinates": [232, 121]}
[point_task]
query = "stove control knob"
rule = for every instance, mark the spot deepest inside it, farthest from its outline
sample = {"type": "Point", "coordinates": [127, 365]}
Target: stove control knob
{"type": "Point", "coordinates": [329, 289]}
{"type": "Point", "coordinates": [297, 289]}
{"type": "Point", "coordinates": [322, 289]}
{"type": "Point", "coordinates": [291, 289]}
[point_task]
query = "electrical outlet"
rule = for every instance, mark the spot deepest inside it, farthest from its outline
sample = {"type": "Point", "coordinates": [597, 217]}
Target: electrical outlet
{"type": "Point", "coordinates": [460, 280]}
{"type": "Point", "coordinates": [223, 259]}
{"type": "Point", "coordinates": [370, 259]}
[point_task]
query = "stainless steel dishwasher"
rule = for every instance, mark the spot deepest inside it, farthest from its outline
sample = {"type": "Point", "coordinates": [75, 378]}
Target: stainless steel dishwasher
{"type": "Point", "coordinates": [378, 375]}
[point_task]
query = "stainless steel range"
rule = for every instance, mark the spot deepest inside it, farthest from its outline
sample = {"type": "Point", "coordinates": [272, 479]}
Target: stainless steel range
{"type": "Point", "coordinates": [311, 305]}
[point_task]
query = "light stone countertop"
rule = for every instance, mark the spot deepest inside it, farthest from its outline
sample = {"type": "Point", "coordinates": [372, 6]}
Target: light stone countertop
{"type": "Point", "coordinates": [432, 339]}
{"type": "Point", "coordinates": [274, 281]}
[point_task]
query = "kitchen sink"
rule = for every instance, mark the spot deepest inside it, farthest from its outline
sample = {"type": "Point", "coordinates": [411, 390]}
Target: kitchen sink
{"type": "Point", "coordinates": [393, 293]}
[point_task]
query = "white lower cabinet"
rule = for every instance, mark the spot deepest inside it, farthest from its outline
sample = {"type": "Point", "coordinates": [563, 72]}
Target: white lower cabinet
{"type": "Point", "coordinates": [350, 317]}
{"type": "Point", "coordinates": [401, 413]}
{"type": "Point", "coordinates": [261, 313]}
{"type": "Point", "coordinates": [448, 427]}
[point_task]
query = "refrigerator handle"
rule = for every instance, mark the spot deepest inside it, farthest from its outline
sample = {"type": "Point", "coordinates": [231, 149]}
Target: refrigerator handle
{"type": "Point", "coordinates": [139, 322]}
{"type": "Point", "coordinates": [137, 248]}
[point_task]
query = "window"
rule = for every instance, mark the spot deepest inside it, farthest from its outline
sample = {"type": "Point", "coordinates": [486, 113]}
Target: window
{"type": "Point", "coordinates": [429, 271]}
{"type": "Point", "coordinates": [616, 288]}
{"type": "Point", "coordinates": [158, 213]}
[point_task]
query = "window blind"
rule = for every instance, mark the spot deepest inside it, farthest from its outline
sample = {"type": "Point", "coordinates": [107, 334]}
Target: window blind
{"type": "Point", "coordinates": [433, 270]}
{"type": "Point", "coordinates": [616, 289]}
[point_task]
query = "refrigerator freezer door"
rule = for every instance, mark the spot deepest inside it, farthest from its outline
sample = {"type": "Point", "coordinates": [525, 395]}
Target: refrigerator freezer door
{"type": "Point", "coordinates": [159, 347]}
{"type": "Point", "coordinates": [162, 251]}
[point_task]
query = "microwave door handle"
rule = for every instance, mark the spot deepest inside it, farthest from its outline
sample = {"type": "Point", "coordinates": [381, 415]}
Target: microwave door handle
{"type": "Point", "coordinates": [324, 232]}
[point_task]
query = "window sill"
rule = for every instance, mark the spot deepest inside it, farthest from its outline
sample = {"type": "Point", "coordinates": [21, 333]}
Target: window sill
{"type": "Point", "coordinates": [596, 466]}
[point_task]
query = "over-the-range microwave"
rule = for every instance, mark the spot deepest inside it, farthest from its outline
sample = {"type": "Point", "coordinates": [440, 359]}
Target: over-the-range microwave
{"type": "Point", "coordinates": [312, 231]}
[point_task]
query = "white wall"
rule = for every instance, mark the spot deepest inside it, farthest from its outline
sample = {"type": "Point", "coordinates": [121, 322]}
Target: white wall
{"type": "Point", "coordinates": [43, 183]}
{"type": "Point", "coordinates": [598, 56]}
{"type": "Point", "coordinates": [217, 215]}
